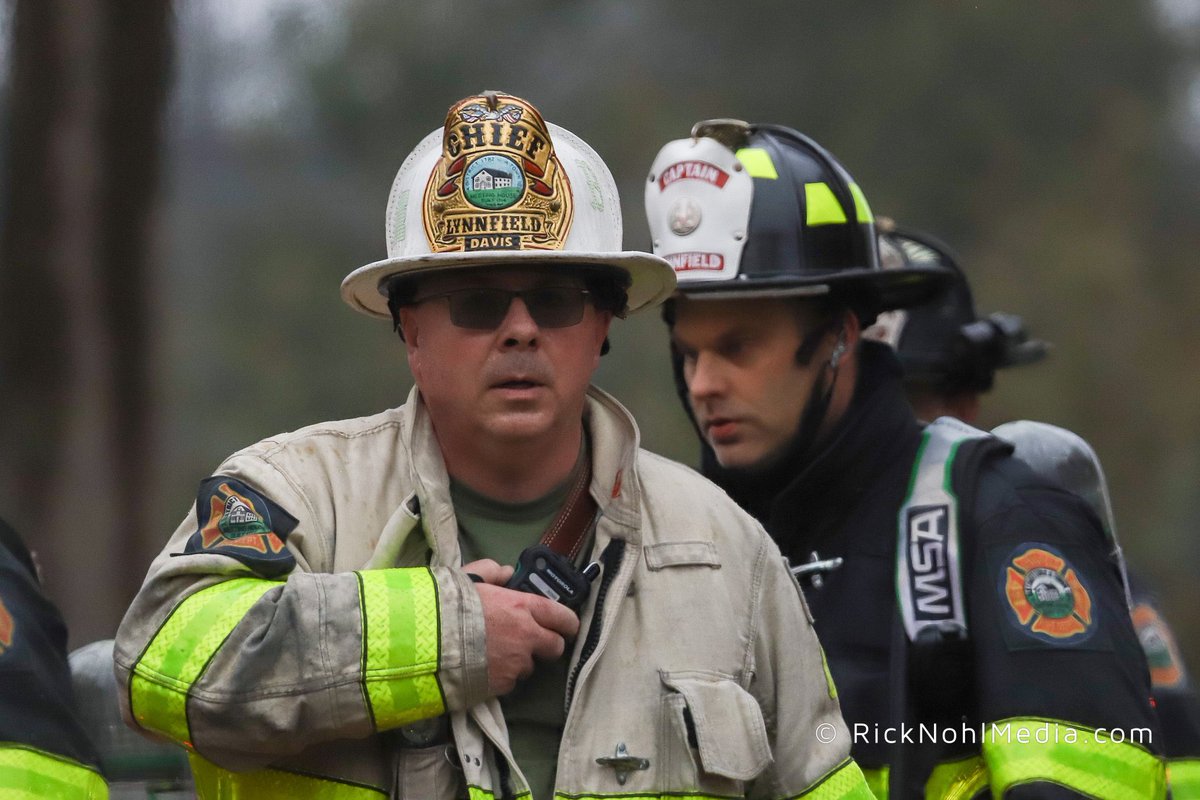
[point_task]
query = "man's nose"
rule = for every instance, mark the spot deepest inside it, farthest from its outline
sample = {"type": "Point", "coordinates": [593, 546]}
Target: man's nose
{"type": "Point", "coordinates": [705, 379]}
{"type": "Point", "coordinates": [519, 328]}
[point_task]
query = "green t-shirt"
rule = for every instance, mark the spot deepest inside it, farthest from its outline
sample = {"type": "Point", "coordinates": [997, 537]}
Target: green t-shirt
{"type": "Point", "coordinates": [535, 710]}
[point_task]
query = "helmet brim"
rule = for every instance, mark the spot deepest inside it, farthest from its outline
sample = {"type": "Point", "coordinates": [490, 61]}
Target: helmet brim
{"type": "Point", "coordinates": [882, 290]}
{"type": "Point", "coordinates": [651, 278]}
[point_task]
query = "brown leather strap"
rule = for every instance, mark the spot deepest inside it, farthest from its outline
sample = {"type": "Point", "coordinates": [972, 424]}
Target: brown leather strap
{"type": "Point", "coordinates": [566, 534]}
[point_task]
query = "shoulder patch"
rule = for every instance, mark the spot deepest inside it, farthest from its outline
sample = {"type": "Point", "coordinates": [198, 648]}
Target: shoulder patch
{"type": "Point", "coordinates": [1162, 654]}
{"type": "Point", "coordinates": [239, 522]}
{"type": "Point", "coordinates": [1044, 597]}
{"type": "Point", "coordinates": [7, 628]}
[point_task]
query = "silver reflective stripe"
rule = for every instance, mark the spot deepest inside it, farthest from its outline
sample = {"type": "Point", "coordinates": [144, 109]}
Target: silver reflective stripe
{"type": "Point", "coordinates": [928, 571]}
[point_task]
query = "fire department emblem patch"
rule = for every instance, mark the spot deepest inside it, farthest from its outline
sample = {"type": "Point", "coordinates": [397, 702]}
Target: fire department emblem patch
{"type": "Point", "coordinates": [237, 521]}
{"type": "Point", "coordinates": [1162, 654]}
{"type": "Point", "coordinates": [1046, 596]}
{"type": "Point", "coordinates": [7, 627]}
{"type": "Point", "coordinates": [498, 184]}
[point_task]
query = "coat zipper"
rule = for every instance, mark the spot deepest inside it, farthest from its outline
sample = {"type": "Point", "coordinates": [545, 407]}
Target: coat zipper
{"type": "Point", "coordinates": [611, 558]}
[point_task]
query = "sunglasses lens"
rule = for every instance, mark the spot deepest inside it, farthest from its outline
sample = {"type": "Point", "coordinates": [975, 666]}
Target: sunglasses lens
{"type": "Point", "coordinates": [479, 309]}
{"type": "Point", "coordinates": [485, 309]}
{"type": "Point", "coordinates": [555, 306]}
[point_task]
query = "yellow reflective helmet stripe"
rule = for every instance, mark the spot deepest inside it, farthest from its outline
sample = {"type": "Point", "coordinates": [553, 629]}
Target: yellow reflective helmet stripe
{"type": "Point", "coordinates": [27, 773]}
{"type": "Point", "coordinates": [215, 783]}
{"type": "Point", "coordinates": [757, 162]}
{"type": "Point", "coordinates": [861, 209]}
{"type": "Point", "coordinates": [182, 648]}
{"type": "Point", "coordinates": [961, 779]}
{"type": "Point", "coordinates": [822, 207]}
{"type": "Point", "coordinates": [401, 643]}
{"type": "Point", "coordinates": [1183, 776]}
{"type": "Point", "coordinates": [1026, 749]}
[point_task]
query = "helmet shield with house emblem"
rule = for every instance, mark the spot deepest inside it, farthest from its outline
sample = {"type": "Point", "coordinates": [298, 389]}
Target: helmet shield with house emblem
{"type": "Point", "coordinates": [499, 184]}
{"type": "Point", "coordinates": [499, 187]}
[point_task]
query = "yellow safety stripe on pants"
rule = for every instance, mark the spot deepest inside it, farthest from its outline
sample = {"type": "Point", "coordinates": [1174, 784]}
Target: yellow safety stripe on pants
{"type": "Point", "coordinates": [1029, 749]}
{"type": "Point", "coordinates": [957, 780]}
{"type": "Point", "coordinates": [1183, 776]}
{"type": "Point", "coordinates": [27, 773]}
{"type": "Point", "coordinates": [215, 783]}
{"type": "Point", "coordinates": [182, 648]}
{"type": "Point", "coordinates": [401, 643]}
{"type": "Point", "coordinates": [822, 207]}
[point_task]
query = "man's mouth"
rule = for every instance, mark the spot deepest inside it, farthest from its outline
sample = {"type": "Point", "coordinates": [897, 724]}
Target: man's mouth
{"type": "Point", "coordinates": [517, 384]}
{"type": "Point", "coordinates": [721, 428]}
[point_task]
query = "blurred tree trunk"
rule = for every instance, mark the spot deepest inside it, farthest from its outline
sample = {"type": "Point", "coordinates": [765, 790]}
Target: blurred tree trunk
{"type": "Point", "coordinates": [88, 87]}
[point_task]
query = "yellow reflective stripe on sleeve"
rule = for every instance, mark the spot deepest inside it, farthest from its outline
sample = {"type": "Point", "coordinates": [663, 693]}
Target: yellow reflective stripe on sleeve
{"type": "Point", "coordinates": [401, 643]}
{"type": "Point", "coordinates": [845, 782]}
{"type": "Point", "coordinates": [1025, 750]}
{"type": "Point", "coordinates": [27, 773]}
{"type": "Point", "coordinates": [1183, 776]}
{"type": "Point", "coordinates": [877, 781]}
{"type": "Point", "coordinates": [861, 209]}
{"type": "Point", "coordinates": [822, 207]}
{"type": "Point", "coordinates": [758, 163]}
{"type": "Point", "coordinates": [182, 648]}
{"type": "Point", "coordinates": [475, 793]}
{"type": "Point", "coordinates": [663, 796]}
{"type": "Point", "coordinates": [957, 780]}
{"type": "Point", "coordinates": [829, 684]}
{"type": "Point", "coordinates": [214, 783]}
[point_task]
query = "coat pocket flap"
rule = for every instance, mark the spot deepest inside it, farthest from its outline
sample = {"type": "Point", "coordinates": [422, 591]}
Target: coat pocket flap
{"type": "Point", "coordinates": [681, 554]}
{"type": "Point", "coordinates": [731, 735]}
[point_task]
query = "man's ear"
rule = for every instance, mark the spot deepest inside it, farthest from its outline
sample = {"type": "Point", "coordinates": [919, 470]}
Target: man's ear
{"type": "Point", "coordinates": [853, 327]}
{"type": "Point", "coordinates": [408, 326]}
{"type": "Point", "coordinates": [603, 323]}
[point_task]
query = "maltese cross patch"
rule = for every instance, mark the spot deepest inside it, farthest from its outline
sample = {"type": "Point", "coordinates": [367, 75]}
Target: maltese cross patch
{"type": "Point", "coordinates": [1046, 597]}
{"type": "Point", "coordinates": [238, 521]}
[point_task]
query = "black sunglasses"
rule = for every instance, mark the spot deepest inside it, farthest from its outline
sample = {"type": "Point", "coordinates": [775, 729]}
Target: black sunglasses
{"type": "Point", "coordinates": [484, 309]}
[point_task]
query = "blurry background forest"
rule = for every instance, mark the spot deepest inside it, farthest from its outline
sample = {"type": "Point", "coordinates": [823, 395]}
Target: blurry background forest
{"type": "Point", "coordinates": [185, 184]}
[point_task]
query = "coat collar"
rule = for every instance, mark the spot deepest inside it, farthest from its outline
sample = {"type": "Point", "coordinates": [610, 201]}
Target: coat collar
{"type": "Point", "coordinates": [615, 486]}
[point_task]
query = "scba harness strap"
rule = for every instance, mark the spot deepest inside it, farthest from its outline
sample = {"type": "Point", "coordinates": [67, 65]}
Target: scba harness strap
{"type": "Point", "coordinates": [928, 554]}
{"type": "Point", "coordinates": [932, 624]}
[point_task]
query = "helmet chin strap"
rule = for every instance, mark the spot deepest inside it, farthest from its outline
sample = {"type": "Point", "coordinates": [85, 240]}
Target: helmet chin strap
{"type": "Point", "coordinates": [819, 397]}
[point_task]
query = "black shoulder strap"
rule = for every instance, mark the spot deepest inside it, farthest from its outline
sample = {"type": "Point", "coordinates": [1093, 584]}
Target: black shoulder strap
{"type": "Point", "coordinates": [929, 662]}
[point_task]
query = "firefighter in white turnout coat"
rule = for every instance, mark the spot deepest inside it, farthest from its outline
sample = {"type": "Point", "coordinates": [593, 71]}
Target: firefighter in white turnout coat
{"type": "Point", "coordinates": [334, 619]}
